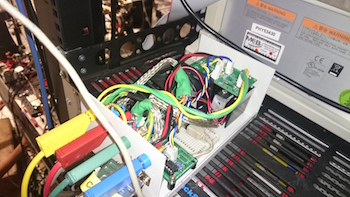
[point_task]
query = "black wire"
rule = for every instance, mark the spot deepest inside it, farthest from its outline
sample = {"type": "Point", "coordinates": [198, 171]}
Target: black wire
{"type": "Point", "coordinates": [313, 94]}
{"type": "Point", "coordinates": [212, 31]}
{"type": "Point", "coordinates": [234, 46]}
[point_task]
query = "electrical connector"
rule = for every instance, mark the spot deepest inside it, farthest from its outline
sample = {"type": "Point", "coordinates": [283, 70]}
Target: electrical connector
{"type": "Point", "coordinates": [118, 180]}
{"type": "Point", "coordinates": [81, 146]}
{"type": "Point", "coordinates": [229, 66]}
{"type": "Point", "coordinates": [100, 173]}
{"type": "Point", "coordinates": [195, 131]}
{"type": "Point", "coordinates": [239, 81]}
{"type": "Point", "coordinates": [198, 133]}
{"type": "Point", "coordinates": [171, 152]}
{"type": "Point", "coordinates": [215, 74]}
{"type": "Point", "coordinates": [91, 164]}
{"type": "Point", "coordinates": [65, 133]}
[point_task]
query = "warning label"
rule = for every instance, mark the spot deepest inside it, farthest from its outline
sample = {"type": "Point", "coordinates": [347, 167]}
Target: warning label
{"type": "Point", "coordinates": [315, 67]}
{"type": "Point", "coordinates": [325, 37]}
{"type": "Point", "coordinates": [276, 17]}
{"type": "Point", "coordinates": [266, 48]}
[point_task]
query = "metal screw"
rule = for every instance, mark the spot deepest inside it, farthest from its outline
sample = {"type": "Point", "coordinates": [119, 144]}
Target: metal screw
{"type": "Point", "coordinates": [81, 57]}
{"type": "Point", "coordinates": [62, 74]}
{"type": "Point", "coordinates": [172, 179]}
{"type": "Point", "coordinates": [69, 102]}
{"type": "Point", "coordinates": [83, 70]}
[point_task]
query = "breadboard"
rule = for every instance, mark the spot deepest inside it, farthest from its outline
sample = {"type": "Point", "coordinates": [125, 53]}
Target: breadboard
{"type": "Point", "coordinates": [193, 145]}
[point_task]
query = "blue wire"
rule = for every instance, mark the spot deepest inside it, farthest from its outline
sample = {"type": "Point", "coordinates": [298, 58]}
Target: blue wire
{"type": "Point", "coordinates": [224, 57]}
{"type": "Point", "coordinates": [38, 69]}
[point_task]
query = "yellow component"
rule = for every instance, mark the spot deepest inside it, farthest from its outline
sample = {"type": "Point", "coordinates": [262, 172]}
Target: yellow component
{"type": "Point", "coordinates": [117, 195]}
{"type": "Point", "coordinates": [91, 115]}
{"type": "Point", "coordinates": [89, 182]}
{"type": "Point", "coordinates": [63, 134]}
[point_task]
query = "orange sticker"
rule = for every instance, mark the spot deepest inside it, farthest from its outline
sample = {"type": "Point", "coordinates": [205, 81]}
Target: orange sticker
{"type": "Point", "coordinates": [273, 9]}
{"type": "Point", "coordinates": [334, 33]}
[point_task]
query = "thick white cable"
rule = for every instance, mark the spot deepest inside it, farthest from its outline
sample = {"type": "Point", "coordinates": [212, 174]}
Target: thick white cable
{"type": "Point", "coordinates": [80, 85]}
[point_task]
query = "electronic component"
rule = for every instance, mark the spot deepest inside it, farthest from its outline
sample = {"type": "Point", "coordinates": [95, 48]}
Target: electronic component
{"type": "Point", "coordinates": [184, 162]}
{"type": "Point", "coordinates": [225, 81]}
{"type": "Point", "coordinates": [170, 167]}
{"type": "Point", "coordinates": [193, 145]}
{"type": "Point", "coordinates": [80, 147]}
{"type": "Point", "coordinates": [171, 152]}
{"type": "Point", "coordinates": [117, 181]}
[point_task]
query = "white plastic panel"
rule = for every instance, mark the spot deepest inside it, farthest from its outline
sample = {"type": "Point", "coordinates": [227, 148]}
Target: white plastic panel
{"type": "Point", "coordinates": [138, 147]}
{"type": "Point", "coordinates": [261, 72]}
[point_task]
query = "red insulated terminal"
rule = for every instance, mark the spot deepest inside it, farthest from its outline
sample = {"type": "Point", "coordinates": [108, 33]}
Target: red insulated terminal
{"type": "Point", "coordinates": [285, 195]}
{"type": "Point", "coordinates": [242, 152]}
{"type": "Point", "coordinates": [103, 83]}
{"type": "Point", "coordinates": [236, 158]}
{"type": "Point", "coordinates": [258, 137]}
{"type": "Point", "coordinates": [263, 132]}
{"type": "Point", "coordinates": [110, 80]}
{"type": "Point", "coordinates": [117, 78]}
{"type": "Point", "coordinates": [132, 75]}
{"type": "Point", "coordinates": [125, 77]}
{"type": "Point", "coordinates": [313, 159]}
{"type": "Point", "coordinates": [254, 142]}
{"type": "Point", "coordinates": [128, 115]}
{"type": "Point", "coordinates": [98, 88]}
{"type": "Point", "coordinates": [301, 175]}
{"type": "Point", "coordinates": [136, 71]}
{"type": "Point", "coordinates": [267, 128]}
{"type": "Point", "coordinates": [306, 170]}
{"type": "Point", "coordinates": [310, 164]}
{"type": "Point", "coordinates": [78, 148]}
{"type": "Point", "coordinates": [290, 189]}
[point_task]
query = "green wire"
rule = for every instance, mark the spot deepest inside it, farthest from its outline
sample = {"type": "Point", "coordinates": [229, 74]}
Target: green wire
{"type": "Point", "coordinates": [168, 100]}
{"type": "Point", "coordinates": [59, 188]}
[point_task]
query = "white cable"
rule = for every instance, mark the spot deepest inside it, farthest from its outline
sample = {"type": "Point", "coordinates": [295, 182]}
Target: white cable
{"type": "Point", "coordinates": [80, 85]}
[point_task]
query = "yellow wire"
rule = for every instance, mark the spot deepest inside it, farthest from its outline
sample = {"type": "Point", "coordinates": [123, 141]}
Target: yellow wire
{"type": "Point", "coordinates": [28, 173]}
{"type": "Point", "coordinates": [150, 125]}
{"type": "Point", "coordinates": [178, 105]}
{"type": "Point", "coordinates": [120, 111]}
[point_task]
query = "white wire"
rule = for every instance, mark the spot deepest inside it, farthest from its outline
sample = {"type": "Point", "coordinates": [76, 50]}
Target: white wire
{"type": "Point", "coordinates": [80, 85]}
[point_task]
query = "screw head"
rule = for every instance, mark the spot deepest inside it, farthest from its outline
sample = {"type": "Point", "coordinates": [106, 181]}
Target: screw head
{"type": "Point", "coordinates": [83, 70]}
{"type": "Point", "coordinates": [81, 57]}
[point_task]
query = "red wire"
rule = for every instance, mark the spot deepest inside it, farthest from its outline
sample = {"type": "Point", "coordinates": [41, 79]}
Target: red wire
{"type": "Point", "coordinates": [50, 177]}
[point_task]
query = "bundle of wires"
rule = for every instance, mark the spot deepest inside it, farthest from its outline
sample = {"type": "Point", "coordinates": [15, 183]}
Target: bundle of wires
{"type": "Point", "coordinates": [170, 98]}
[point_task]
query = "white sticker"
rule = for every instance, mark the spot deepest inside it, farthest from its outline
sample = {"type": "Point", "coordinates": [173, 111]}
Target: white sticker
{"type": "Point", "coordinates": [263, 47]}
{"type": "Point", "coordinates": [265, 31]}
{"type": "Point", "coordinates": [315, 67]}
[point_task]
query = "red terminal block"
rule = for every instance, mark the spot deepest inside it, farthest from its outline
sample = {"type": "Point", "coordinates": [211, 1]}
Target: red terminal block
{"type": "Point", "coordinates": [132, 75]}
{"type": "Point", "coordinates": [98, 88]}
{"type": "Point", "coordinates": [306, 170]}
{"type": "Point", "coordinates": [78, 148]}
{"type": "Point", "coordinates": [103, 83]}
{"type": "Point", "coordinates": [136, 71]}
{"type": "Point", "coordinates": [125, 77]}
{"type": "Point", "coordinates": [290, 189]}
{"type": "Point", "coordinates": [301, 175]}
{"type": "Point", "coordinates": [310, 164]}
{"type": "Point", "coordinates": [110, 80]}
{"type": "Point", "coordinates": [117, 78]}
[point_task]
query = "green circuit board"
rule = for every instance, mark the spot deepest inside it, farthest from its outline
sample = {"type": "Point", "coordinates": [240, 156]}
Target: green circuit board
{"type": "Point", "coordinates": [226, 82]}
{"type": "Point", "coordinates": [184, 162]}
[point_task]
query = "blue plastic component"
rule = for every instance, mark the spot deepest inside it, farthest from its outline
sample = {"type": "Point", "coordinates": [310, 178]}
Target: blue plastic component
{"type": "Point", "coordinates": [118, 180]}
